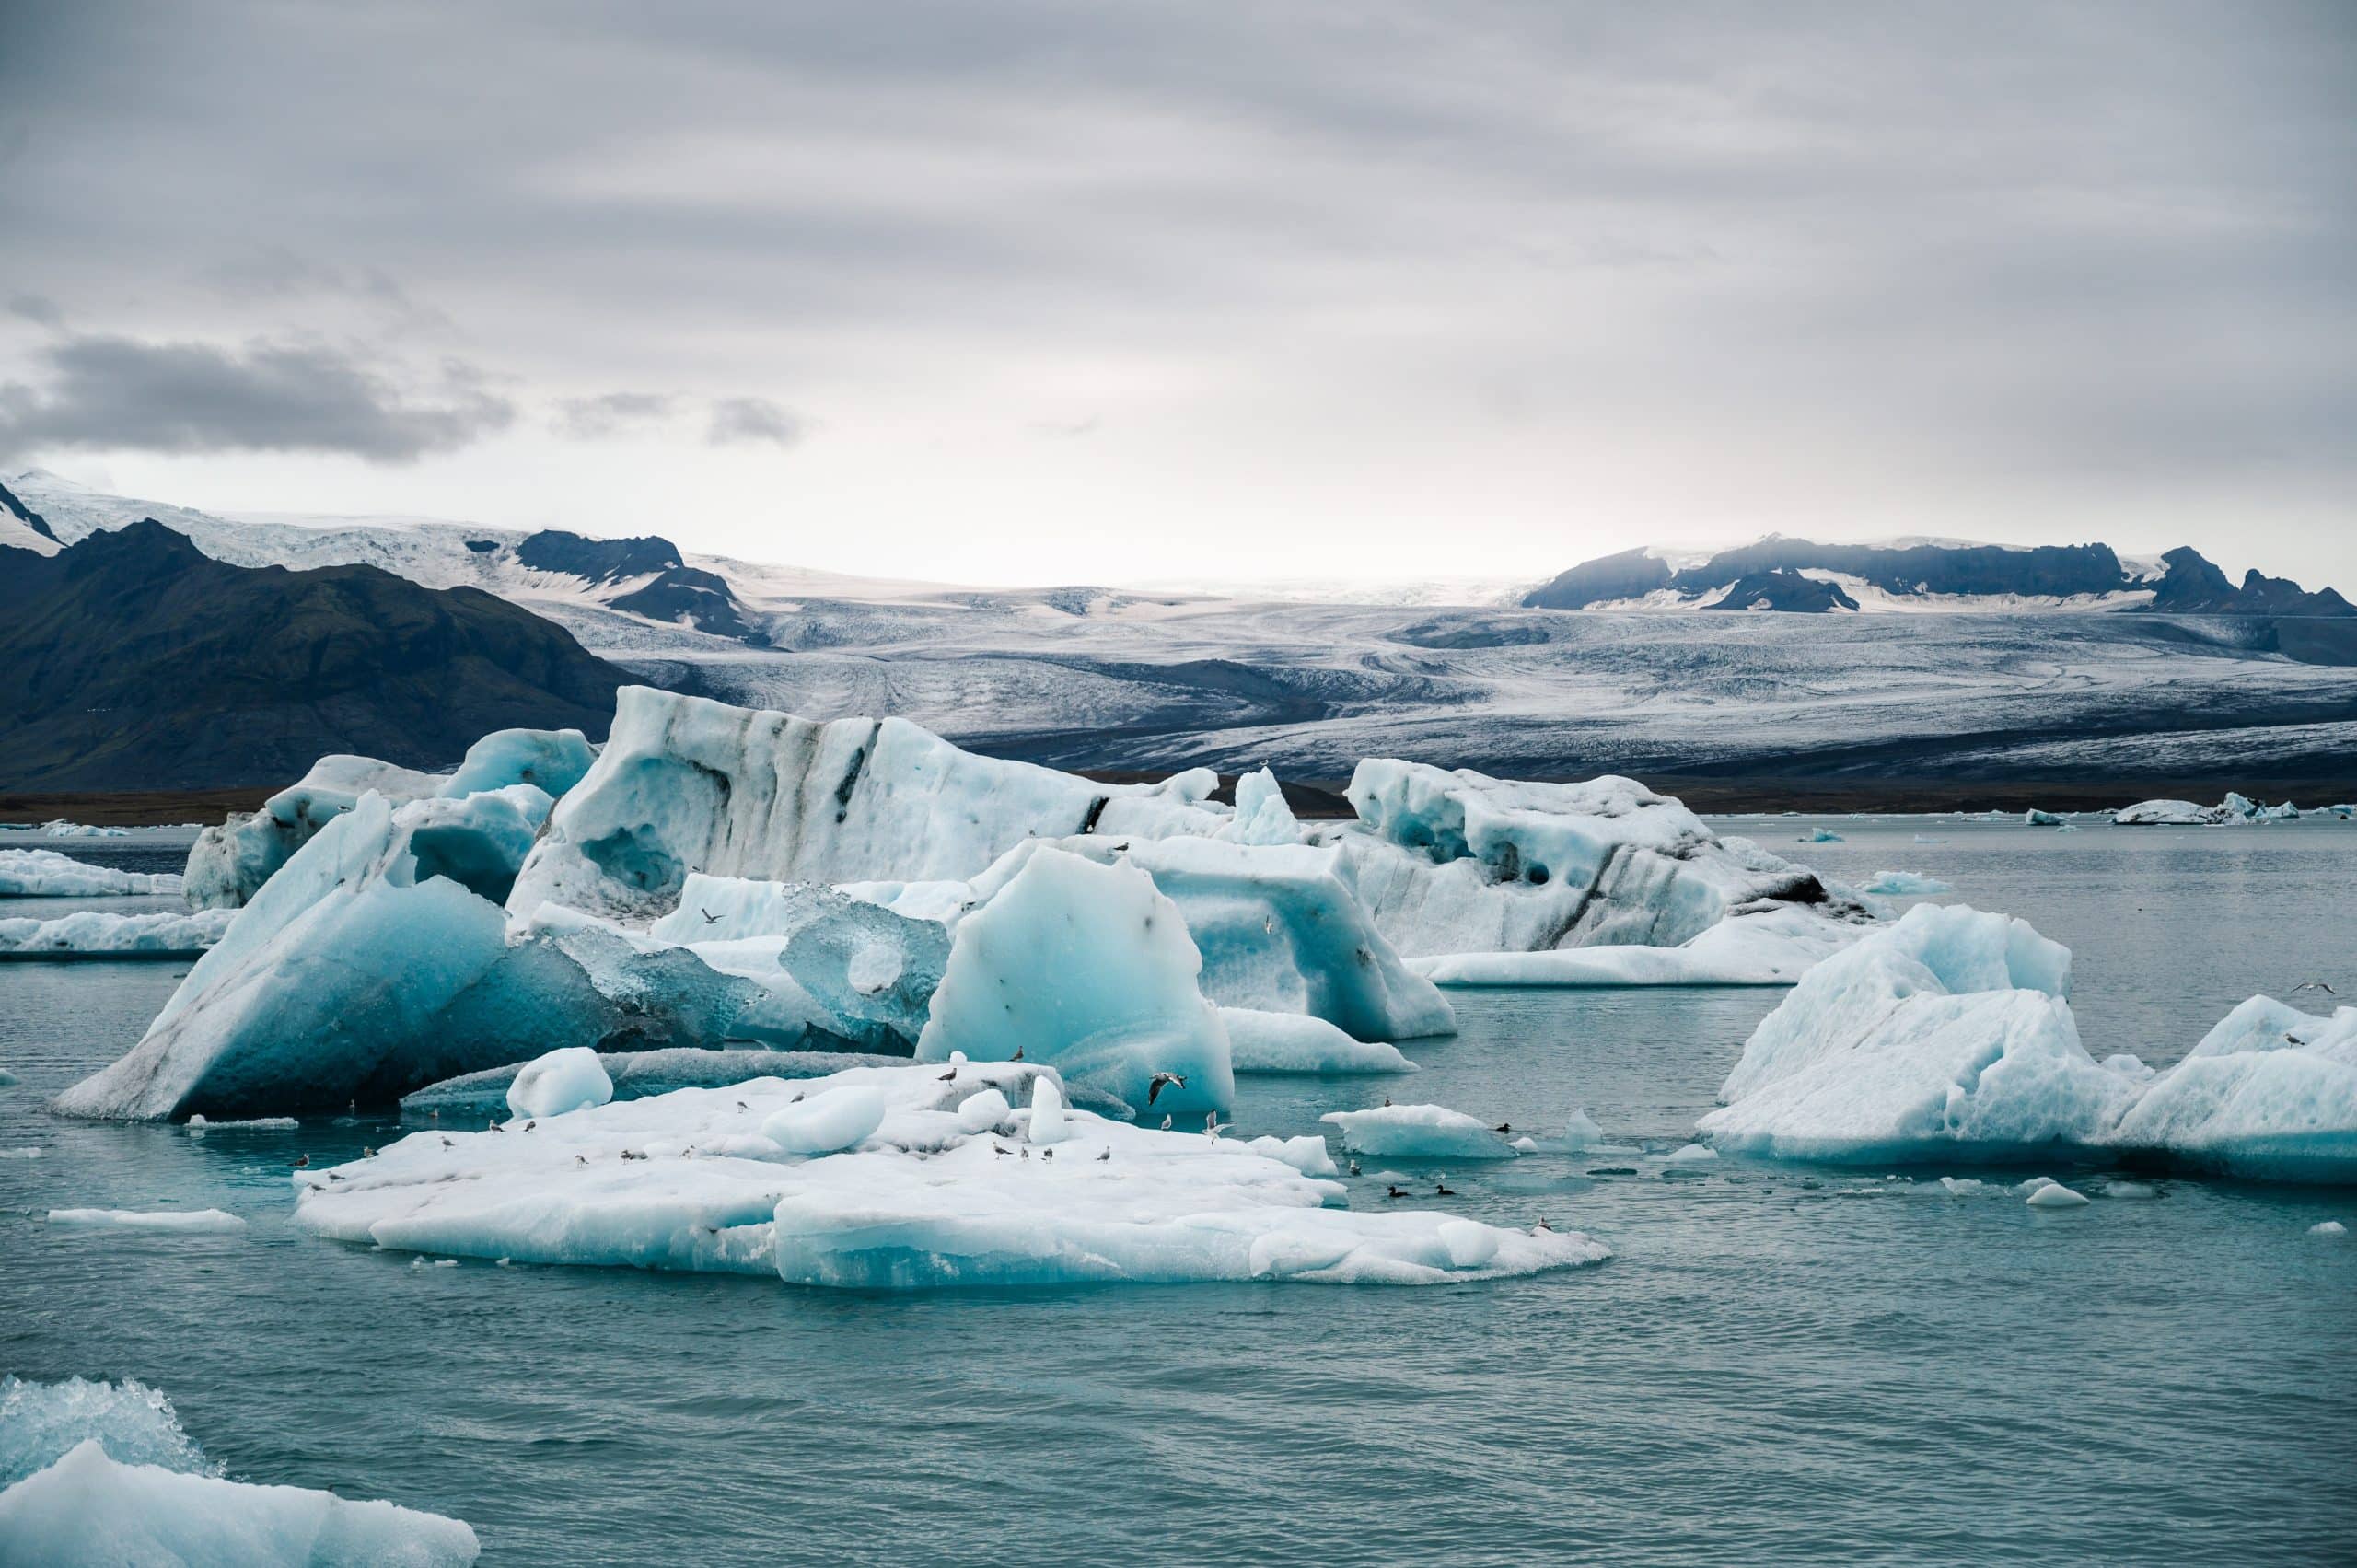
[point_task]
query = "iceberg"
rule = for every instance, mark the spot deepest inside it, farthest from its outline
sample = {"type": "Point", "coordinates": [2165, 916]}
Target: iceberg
{"type": "Point", "coordinates": [688, 784]}
{"type": "Point", "coordinates": [1774, 947]}
{"type": "Point", "coordinates": [231, 859]}
{"type": "Point", "coordinates": [569, 1079]}
{"type": "Point", "coordinates": [1450, 863]}
{"type": "Point", "coordinates": [1089, 969]}
{"type": "Point", "coordinates": [90, 1509]}
{"type": "Point", "coordinates": [1947, 1035]}
{"type": "Point", "coordinates": [2270, 1092]}
{"type": "Point", "coordinates": [1906, 885]}
{"type": "Point", "coordinates": [2034, 817]}
{"type": "Point", "coordinates": [1296, 1043]}
{"type": "Point", "coordinates": [366, 967]}
{"type": "Point", "coordinates": [46, 874]}
{"type": "Point", "coordinates": [95, 933]}
{"type": "Point", "coordinates": [66, 828]}
{"type": "Point", "coordinates": [1261, 815]}
{"type": "Point", "coordinates": [2233, 810]}
{"type": "Point", "coordinates": [1419, 1132]}
{"type": "Point", "coordinates": [42, 1422]}
{"type": "Point", "coordinates": [183, 1220]}
{"type": "Point", "coordinates": [930, 1198]}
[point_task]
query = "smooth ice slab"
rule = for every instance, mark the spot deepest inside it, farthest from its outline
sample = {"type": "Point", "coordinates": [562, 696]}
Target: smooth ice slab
{"type": "Point", "coordinates": [46, 874]}
{"type": "Point", "coordinates": [1906, 885]}
{"type": "Point", "coordinates": [1419, 1132]}
{"type": "Point", "coordinates": [182, 1220]}
{"type": "Point", "coordinates": [931, 1198]}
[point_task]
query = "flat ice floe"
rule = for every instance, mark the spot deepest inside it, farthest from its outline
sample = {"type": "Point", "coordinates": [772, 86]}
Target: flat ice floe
{"type": "Point", "coordinates": [99, 934]}
{"type": "Point", "coordinates": [101, 1474]}
{"type": "Point", "coordinates": [1773, 947]}
{"type": "Point", "coordinates": [1948, 1035]}
{"type": "Point", "coordinates": [46, 874]}
{"type": "Point", "coordinates": [1906, 885]}
{"type": "Point", "coordinates": [182, 1221]}
{"type": "Point", "coordinates": [930, 1198]}
{"type": "Point", "coordinates": [1420, 1132]}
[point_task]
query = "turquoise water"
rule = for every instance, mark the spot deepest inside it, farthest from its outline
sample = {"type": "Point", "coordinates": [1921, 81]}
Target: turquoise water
{"type": "Point", "coordinates": [1778, 1364]}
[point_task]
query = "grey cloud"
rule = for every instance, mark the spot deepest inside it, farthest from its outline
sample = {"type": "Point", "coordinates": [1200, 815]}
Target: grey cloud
{"type": "Point", "coordinates": [38, 309]}
{"type": "Point", "coordinates": [593, 419]}
{"type": "Point", "coordinates": [118, 393]}
{"type": "Point", "coordinates": [739, 420]}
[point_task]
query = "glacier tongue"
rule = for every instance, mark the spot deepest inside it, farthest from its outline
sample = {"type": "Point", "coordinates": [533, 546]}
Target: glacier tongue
{"type": "Point", "coordinates": [927, 1199]}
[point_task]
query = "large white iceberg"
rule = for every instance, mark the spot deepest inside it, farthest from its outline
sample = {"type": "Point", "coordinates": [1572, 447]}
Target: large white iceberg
{"type": "Point", "coordinates": [101, 1473]}
{"type": "Point", "coordinates": [1456, 862]}
{"type": "Point", "coordinates": [1947, 1035]}
{"type": "Point", "coordinates": [686, 785]}
{"type": "Point", "coordinates": [46, 874]}
{"type": "Point", "coordinates": [2270, 1092]}
{"type": "Point", "coordinates": [98, 933]}
{"type": "Point", "coordinates": [231, 859]}
{"type": "Point", "coordinates": [2234, 809]}
{"type": "Point", "coordinates": [1090, 968]}
{"type": "Point", "coordinates": [689, 1181]}
{"type": "Point", "coordinates": [369, 965]}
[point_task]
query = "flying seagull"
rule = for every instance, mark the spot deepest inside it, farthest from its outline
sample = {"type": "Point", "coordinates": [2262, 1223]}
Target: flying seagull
{"type": "Point", "coordinates": [709, 918]}
{"type": "Point", "coordinates": [1160, 1081]}
{"type": "Point", "coordinates": [2314, 985]}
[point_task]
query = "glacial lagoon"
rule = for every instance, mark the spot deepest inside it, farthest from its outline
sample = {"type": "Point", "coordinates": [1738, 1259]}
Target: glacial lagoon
{"type": "Point", "coordinates": [1780, 1362]}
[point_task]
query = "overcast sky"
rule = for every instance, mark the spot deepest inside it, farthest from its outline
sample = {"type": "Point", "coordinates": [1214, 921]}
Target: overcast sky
{"type": "Point", "coordinates": [1107, 290]}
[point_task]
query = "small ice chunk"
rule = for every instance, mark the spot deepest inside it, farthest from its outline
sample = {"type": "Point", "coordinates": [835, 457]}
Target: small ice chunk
{"type": "Point", "coordinates": [982, 1111]}
{"type": "Point", "coordinates": [1692, 1154]}
{"type": "Point", "coordinates": [2129, 1189]}
{"type": "Point", "coordinates": [1419, 1132]}
{"type": "Point", "coordinates": [1047, 1110]}
{"type": "Point", "coordinates": [1581, 1131]}
{"type": "Point", "coordinates": [2329, 1228]}
{"type": "Point", "coordinates": [147, 1219]}
{"type": "Point", "coordinates": [1307, 1154]}
{"type": "Point", "coordinates": [571, 1079]}
{"type": "Point", "coordinates": [829, 1120]}
{"type": "Point", "coordinates": [1824, 836]}
{"type": "Point", "coordinates": [2054, 1195]}
{"type": "Point", "coordinates": [89, 1509]}
{"type": "Point", "coordinates": [1526, 1144]}
{"type": "Point", "coordinates": [1959, 1186]}
{"type": "Point", "coordinates": [28, 1152]}
{"type": "Point", "coordinates": [1906, 885]}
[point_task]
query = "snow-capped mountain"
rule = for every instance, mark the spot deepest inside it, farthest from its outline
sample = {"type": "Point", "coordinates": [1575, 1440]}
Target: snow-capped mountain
{"type": "Point", "coordinates": [1800, 575]}
{"type": "Point", "coordinates": [2177, 695]}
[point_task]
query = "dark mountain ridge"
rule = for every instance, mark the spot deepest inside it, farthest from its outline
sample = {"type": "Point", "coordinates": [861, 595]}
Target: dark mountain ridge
{"type": "Point", "coordinates": [133, 660]}
{"type": "Point", "coordinates": [2188, 585]}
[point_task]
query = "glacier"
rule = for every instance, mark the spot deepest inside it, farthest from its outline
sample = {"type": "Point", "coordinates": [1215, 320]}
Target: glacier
{"type": "Point", "coordinates": [46, 874]}
{"type": "Point", "coordinates": [98, 933]}
{"type": "Point", "coordinates": [98, 1475]}
{"type": "Point", "coordinates": [927, 1199]}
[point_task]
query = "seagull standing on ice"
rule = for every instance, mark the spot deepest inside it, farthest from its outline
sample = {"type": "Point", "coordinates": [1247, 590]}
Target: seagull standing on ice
{"type": "Point", "coordinates": [1165, 1121]}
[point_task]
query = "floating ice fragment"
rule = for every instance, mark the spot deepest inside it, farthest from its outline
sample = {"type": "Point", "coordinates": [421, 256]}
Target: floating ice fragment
{"type": "Point", "coordinates": [46, 874]}
{"type": "Point", "coordinates": [198, 1220]}
{"type": "Point", "coordinates": [1905, 884]}
{"type": "Point", "coordinates": [1958, 1186]}
{"type": "Point", "coordinates": [2328, 1227]}
{"type": "Point", "coordinates": [2129, 1189]}
{"type": "Point", "coordinates": [1298, 1042]}
{"type": "Point", "coordinates": [1692, 1154]}
{"type": "Point", "coordinates": [2054, 1195]}
{"type": "Point", "coordinates": [1307, 1154]}
{"type": "Point", "coordinates": [1418, 1131]}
